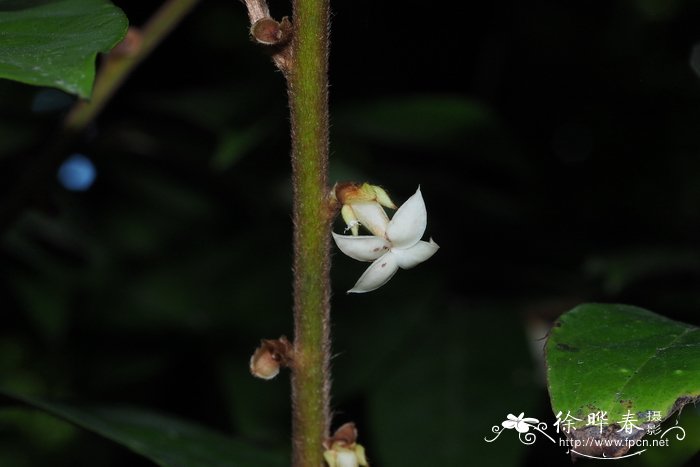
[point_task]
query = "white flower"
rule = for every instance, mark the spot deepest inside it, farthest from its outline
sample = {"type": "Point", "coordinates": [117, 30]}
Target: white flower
{"type": "Point", "coordinates": [396, 244]}
{"type": "Point", "coordinates": [522, 425]}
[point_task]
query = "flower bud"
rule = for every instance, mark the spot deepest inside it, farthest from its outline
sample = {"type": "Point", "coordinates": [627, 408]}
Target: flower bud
{"type": "Point", "coordinates": [342, 449]}
{"type": "Point", "coordinates": [349, 193]}
{"type": "Point", "coordinates": [267, 31]}
{"type": "Point", "coordinates": [362, 205]}
{"type": "Point", "coordinates": [270, 357]}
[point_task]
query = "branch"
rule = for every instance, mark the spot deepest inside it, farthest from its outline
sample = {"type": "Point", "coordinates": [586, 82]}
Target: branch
{"type": "Point", "coordinates": [304, 61]}
{"type": "Point", "coordinates": [308, 100]}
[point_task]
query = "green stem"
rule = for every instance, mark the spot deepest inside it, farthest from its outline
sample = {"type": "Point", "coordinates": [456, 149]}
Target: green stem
{"type": "Point", "coordinates": [117, 68]}
{"type": "Point", "coordinates": [308, 99]}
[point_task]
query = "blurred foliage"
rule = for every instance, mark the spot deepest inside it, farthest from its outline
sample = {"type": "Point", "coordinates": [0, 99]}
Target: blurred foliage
{"type": "Point", "coordinates": [556, 148]}
{"type": "Point", "coordinates": [164, 440]}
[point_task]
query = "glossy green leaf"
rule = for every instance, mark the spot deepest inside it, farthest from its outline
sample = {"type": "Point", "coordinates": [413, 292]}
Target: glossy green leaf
{"type": "Point", "coordinates": [619, 358]}
{"type": "Point", "coordinates": [167, 441]}
{"type": "Point", "coordinates": [54, 42]}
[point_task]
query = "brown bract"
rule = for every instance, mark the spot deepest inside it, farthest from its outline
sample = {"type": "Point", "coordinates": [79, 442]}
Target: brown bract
{"type": "Point", "coordinates": [345, 436]}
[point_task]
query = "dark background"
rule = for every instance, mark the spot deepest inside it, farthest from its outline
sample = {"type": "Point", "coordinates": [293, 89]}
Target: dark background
{"type": "Point", "coordinates": [556, 145]}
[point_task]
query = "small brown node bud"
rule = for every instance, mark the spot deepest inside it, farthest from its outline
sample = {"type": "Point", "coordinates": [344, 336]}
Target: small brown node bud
{"type": "Point", "coordinates": [270, 356]}
{"type": "Point", "coordinates": [267, 31]}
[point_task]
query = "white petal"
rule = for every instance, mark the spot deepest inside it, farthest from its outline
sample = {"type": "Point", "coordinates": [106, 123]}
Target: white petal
{"type": "Point", "coordinates": [406, 259]}
{"type": "Point", "coordinates": [408, 224]}
{"type": "Point", "coordinates": [372, 216]}
{"type": "Point", "coordinates": [347, 459]}
{"type": "Point", "coordinates": [362, 248]}
{"type": "Point", "coordinates": [377, 274]}
{"type": "Point", "coordinates": [508, 424]}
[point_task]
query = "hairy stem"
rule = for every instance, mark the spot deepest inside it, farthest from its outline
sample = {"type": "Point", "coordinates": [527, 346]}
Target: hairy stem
{"type": "Point", "coordinates": [308, 100]}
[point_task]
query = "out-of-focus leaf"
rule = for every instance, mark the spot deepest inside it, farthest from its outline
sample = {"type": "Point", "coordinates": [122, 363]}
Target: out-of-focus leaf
{"type": "Point", "coordinates": [37, 424]}
{"type": "Point", "coordinates": [54, 42]}
{"type": "Point", "coordinates": [167, 441]}
{"type": "Point", "coordinates": [657, 9]}
{"type": "Point", "coordinates": [209, 108]}
{"type": "Point", "coordinates": [46, 303]}
{"type": "Point", "coordinates": [15, 137]}
{"type": "Point", "coordinates": [255, 420]}
{"type": "Point", "coordinates": [621, 360]}
{"type": "Point", "coordinates": [428, 407]}
{"type": "Point", "coordinates": [623, 269]}
{"type": "Point", "coordinates": [425, 121]}
{"type": "Point", "coordinates": [234, 144]}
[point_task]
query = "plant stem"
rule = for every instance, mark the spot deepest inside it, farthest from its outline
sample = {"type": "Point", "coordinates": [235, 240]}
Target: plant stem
{"type": "Point", "coordinates": [308, 100]}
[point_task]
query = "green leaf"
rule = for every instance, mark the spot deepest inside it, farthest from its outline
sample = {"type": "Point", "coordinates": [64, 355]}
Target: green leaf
{"type": "Point", "coordinates": [620, 358]}
{"type": "Point", "coordinates": [166, 441]}
{"type": "Point", "coordinates": [54, 42]}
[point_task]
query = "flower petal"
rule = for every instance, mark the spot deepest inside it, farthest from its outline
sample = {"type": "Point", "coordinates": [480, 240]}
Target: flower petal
{"type": "Point", "coordinates": [347, 459]}
{"type": "Point", "coordinates": [372, 216]}
{"type": "Point", "coordinates": [406, 259]}
{"type": "Point", "coordinates": [508, 424]}
{"type": "Point", "coordinates": [377, 274]}
{"type": "Point", "coordinates": [408, 224]}
{"type": "Point", "coordinates": [362, 248]}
